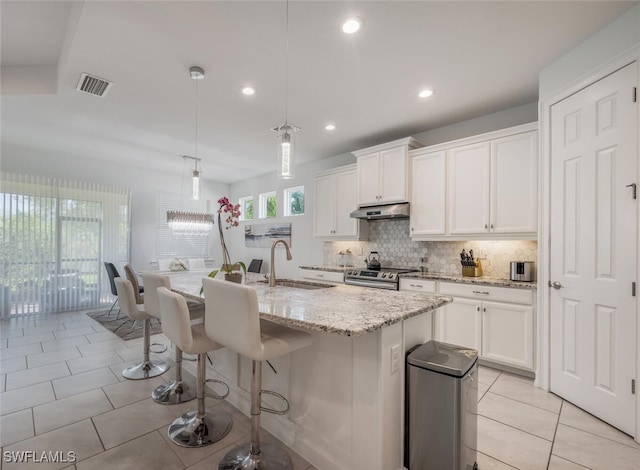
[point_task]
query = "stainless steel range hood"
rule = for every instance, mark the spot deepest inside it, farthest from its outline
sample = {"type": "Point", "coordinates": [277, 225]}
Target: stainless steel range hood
{"type": "Point", "coordinates": [388, 211]}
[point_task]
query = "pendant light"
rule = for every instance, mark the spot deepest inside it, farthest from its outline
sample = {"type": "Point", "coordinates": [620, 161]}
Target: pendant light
{"type": "Point", "coordinates": [192, 223]}
{"type": "Point", "coordinates": [285, 131]}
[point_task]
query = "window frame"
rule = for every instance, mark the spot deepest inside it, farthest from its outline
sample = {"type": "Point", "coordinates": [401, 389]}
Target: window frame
{"type": "Point", "coordinates": [242, 201]}
{"type": "Point", "coordinates": [287, 198]}
{"type": "Point", "coordinates": [264, 205]}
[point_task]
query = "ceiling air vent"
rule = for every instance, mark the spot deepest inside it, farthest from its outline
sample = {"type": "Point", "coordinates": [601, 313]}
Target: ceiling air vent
{"type": "Point", "coordinates": [93, 85]}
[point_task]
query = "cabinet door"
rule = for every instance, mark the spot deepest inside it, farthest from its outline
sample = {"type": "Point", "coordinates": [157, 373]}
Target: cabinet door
{"type": "Point", "coordinates": [393, 175]}
{"type": "Point", "coordinates": [345, 202]}
{"type": "Point", "coordinates": [428, 194]}
{"type": "Point", "coordinates": [369, 179]}
{"type": "Point", "coordinates": [514, 184]}
{"type": "Point", "coordinates": [507, 333]}
{"type": "Point", "coordinates": [324, 205]}
{"type": "Point", "coordinates": [459, 323]}
{"type": "Point", "coordinates": [468, 178]}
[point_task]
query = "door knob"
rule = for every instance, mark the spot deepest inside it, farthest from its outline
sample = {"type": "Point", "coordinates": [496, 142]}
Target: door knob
{"type": "Point", "coordinates": [556, 285]}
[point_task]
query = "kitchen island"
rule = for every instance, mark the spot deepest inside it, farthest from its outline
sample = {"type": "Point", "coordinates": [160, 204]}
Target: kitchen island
{"type": "Point", "coordinates": [347, 389]}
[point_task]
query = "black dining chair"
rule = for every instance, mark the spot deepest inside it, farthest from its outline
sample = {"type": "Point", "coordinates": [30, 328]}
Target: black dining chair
{"type": "Point", "coordinates": [112, 272]}
{"type": "Point", "coordinates": [255, 266]}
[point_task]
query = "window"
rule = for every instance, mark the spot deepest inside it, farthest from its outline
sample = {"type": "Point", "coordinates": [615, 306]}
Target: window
{"type": "Point", "coordinates": [246, 208]}
{"type": "Point", "coordinates": [268, 205]}
{"type": "Point", "coordinates": [294, 201]}
{"type": "Point", "coordinates": [54, 237]}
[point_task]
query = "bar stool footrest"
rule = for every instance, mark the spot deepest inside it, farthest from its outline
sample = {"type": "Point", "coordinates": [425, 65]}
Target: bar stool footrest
{"type": "Point", "coordinates": [215, 395]}
{"type": "Point", "coordinates": [159, 351]}
{"type": "Point", "coordinates": [277, 395]}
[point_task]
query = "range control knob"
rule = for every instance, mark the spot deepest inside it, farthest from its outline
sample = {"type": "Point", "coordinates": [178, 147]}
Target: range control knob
{"type": "Point", "coordinates": [384, 275]}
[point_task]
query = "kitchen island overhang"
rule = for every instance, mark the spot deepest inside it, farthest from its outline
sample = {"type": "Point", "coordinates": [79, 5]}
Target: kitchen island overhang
{"type": "Point", "coordinates": [347, 389]}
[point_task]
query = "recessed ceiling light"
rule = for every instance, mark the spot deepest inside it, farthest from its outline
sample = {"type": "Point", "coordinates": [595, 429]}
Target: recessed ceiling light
{"type": "Point", "coordinates": [248, 90]}
{"type": "Point", "coordinates": [425, 93]}
{"type": "Point", "coordinates": [352, 25]}
{"type": "Point", "coordinates": [330, 127]}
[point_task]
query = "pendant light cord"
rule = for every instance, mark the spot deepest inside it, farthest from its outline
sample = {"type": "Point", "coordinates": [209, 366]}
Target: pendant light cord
{"type": "Point", "coordinates": [196, 120]}
{"type": "Point", "coordinates": [286, 70]}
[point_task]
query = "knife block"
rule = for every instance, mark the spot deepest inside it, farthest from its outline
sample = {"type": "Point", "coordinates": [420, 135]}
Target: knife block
{"type": "Point", "coordinates": [472, 271]}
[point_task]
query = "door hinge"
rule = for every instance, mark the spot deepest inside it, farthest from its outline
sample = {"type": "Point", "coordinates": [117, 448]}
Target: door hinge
{"type": "Point", "coordinates": [635, 94]}
{"type": "Point", "coordinates": [633, 386]}
{"type": "Point", "coordinates": [633, 289]}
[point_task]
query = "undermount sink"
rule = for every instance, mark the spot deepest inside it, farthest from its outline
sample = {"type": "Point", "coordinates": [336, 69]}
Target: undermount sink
{"type": "Point", "coordinates": [299, 284]}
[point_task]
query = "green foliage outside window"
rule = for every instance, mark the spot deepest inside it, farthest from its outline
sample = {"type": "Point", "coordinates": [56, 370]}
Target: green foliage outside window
{"type": "Point", "coordinates": [271, 206]}
{"type": "Point", "coordinates": [297, 202]}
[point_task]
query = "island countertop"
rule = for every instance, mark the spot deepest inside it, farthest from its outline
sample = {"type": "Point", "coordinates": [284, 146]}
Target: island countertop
{"type": "Point", "coordinates": [344, 310]}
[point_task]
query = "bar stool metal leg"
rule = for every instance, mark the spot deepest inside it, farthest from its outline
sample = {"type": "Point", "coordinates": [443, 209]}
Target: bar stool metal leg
{"type": "Point", "coordinates": [256, 456]}
{"type": "Point", "coordinates": [146, 368]}
{"type": "Point", "coordinates": [177, 391]}
{"type": "Point", "coordinates": [200, 427]}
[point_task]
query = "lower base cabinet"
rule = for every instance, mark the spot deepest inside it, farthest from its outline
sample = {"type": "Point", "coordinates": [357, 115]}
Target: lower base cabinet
{"type": "Point", "coordinates": [502, 332]}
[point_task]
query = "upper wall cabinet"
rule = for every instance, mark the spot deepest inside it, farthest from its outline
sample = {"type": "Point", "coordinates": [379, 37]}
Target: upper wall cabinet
{"type": "Point", "coordinates": [383, 175]}
{"type": "Point", "coordinates": [490, 190]}
{"type": "Point", "coordinates": [334, 199]}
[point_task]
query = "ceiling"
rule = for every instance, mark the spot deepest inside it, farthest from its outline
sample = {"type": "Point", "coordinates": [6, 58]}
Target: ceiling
{"type": "Point", "coordinates": [479, 57]}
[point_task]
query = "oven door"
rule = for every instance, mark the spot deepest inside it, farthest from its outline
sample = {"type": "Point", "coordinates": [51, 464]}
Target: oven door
{"type": "Point", "coordinates": [370, 283]}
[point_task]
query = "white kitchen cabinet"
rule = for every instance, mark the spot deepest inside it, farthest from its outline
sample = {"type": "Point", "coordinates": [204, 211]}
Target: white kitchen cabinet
{"type": "Point", "coordinates": [490, 189]}
{"type": "Point", "coordinates": [413, 284]}
{"type": "Point", "coordinates": [383, 175]}
{"type": "Point", "coordinates": [514, 184]}
{"type": "Point", "coordinates": [468, 184]}
{"type": "Point", "coordinates": [334, 199]}
{"type": "Point", "coordinates": [459, 323]}
{"type": "Point", "coordinates": [501, 329]}
{"type": "Point", "coordinates": [428, 193]}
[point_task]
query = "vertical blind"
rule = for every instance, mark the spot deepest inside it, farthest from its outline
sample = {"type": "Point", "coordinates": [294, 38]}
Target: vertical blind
{"type": "Point", "coordinates": [55, 235]}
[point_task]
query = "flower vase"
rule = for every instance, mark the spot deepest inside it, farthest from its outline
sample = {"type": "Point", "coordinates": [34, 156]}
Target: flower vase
{"type": "Point", "coordinates": [233, 277]}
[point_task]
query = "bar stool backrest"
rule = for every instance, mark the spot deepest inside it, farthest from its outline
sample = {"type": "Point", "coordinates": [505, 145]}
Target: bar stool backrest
{"type": "Point", "coordinates": [127, 299]}
{"type": "Point", "coordinates": [232, 317]}
{"type": "Point", "coordinates": [112, 272]}
{"type": "Point", "coordinates": [133, 279]}
{"type": "Point", "coordinates": [151, 283]}
{"type": "Point", "coordinates": [176, 323]}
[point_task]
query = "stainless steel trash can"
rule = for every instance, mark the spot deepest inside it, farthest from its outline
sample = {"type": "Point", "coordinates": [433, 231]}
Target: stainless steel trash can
{"type": "Point", "coordinates": [441, 407]}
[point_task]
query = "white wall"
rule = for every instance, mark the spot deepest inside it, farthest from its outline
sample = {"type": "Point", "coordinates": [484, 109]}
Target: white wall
{"type": "Point", "coordinates": [145, 185]}
{"type": "Point", "coordinates": [617, 37]}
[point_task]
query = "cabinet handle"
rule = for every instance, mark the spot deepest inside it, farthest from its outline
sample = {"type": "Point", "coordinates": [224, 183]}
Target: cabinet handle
{"type": "Point", "coordinates": [416, 285]}
{"type": "Point", "coordinates": [484, 292]}
{"type": "Point", "coordinates": [491, 226]}
{"type": "Point", "coordinates": [484, 309]}
{"type": "Point", "coordinates": [320, 275]}
{"type": "Point", "coordinates": [478, 309]}
{"type": "Point", "coordinates": [485, 226]}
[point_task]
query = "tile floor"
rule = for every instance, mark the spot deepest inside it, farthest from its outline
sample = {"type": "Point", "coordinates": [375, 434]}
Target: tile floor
{"type": "Point", "coordinates": [61, 390]}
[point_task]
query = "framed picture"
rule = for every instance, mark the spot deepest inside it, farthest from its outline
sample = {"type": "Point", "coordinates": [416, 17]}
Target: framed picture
{"type": "Point", "coordinates": [263, 235]}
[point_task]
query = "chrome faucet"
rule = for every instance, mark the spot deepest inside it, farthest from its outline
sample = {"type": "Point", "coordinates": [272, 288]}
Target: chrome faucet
{"type": "Point", "coordinates": [272, 272]}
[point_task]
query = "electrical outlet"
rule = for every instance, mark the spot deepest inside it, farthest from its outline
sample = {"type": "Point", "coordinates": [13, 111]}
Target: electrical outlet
{"type": "Point", "coordinates": [395, 358]}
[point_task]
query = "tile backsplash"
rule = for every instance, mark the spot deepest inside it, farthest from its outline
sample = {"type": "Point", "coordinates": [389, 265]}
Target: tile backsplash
{"type": "Point", "coordinates": [391, 239]}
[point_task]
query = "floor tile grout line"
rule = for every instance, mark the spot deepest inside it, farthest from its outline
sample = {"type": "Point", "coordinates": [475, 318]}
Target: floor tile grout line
{"type": "Point", "coordinates": [601, 436]}
{"type": "Point", "coordinates": [522, 403]}
{"type": "Point", "coordinates": [526, 403]}
{"type": "Point", "coordinates": [517, 429]}
{"type": "Point", "coordinates": [555, 432]}
{"type": "Point", "coordinates": [494, 458]}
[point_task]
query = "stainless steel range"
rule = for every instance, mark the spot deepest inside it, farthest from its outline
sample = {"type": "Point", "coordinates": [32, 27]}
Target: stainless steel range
{"type": "Point", "coordinates": [385, 278]}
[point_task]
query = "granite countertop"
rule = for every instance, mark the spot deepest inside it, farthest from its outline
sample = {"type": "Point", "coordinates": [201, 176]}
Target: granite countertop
{"type": "Point", "coordinates": [344, 310]}
{"type": "Point", "coordinates": [489, 281]}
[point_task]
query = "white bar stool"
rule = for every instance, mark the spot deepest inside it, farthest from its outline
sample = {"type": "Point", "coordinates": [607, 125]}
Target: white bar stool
{"type": "Point", "coordinates": [200, 427]}
{"type": "Point", "coordinates": [232, 319]}
{"type": "Point", "coordinates": [176, 391]}
{"type": "Point", "coordinates": [127, 301]}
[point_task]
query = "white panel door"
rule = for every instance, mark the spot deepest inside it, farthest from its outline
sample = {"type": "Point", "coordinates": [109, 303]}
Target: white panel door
{"type": "Point", "coordinates": [345, 197]}
{"type": "Point", "coordinates": [468, 178]}
{"type": "Point", "coordinates": [369, 179]}
{"type": "Point", "coordinates": [459, 323]}
{"type": "Point", "coordinates": [593, 248]}
{"type": "Point", "coordinates": [514, 184]}
{"type": "Point", "coordinates": [428, 194]}
{"type": "Point", "coordinates": [393, 174]}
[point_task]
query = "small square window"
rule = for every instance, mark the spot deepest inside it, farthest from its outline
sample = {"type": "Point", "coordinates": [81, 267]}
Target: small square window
{"type": "Point", "coordinates": [246, 208]}
{"type": "Point", "coordinates": [294, 201]}
{"type": "Point", "coordinates": [267, 205]}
